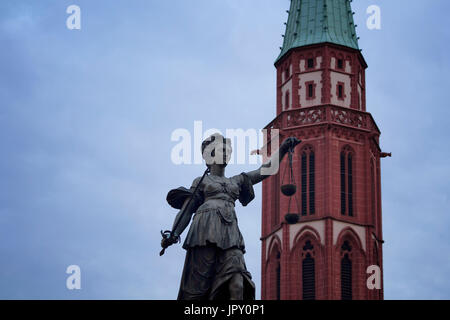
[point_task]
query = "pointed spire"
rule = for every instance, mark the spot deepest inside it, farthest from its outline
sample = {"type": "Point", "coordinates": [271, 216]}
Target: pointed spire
{"type": "Point", "coordinates": [319, 21]}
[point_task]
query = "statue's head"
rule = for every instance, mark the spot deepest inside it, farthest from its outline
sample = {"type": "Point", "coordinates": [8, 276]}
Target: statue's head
{"type": "Point", "coordinates": [216, 149]}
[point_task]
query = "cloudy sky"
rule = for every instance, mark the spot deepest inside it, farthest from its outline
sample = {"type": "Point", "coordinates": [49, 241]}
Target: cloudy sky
{"type": "Point", "coordinates": [86, 118]}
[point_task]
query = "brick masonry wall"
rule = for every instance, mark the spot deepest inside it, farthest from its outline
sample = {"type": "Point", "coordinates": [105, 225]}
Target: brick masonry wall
{"type": "Point", "coordinates": [327, 140]}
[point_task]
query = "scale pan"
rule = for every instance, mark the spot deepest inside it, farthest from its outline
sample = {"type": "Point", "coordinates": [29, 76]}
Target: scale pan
{"type": "Point", "coordinates": [292, 218]}
{"type": "Point", "coordinates": [289, 189]}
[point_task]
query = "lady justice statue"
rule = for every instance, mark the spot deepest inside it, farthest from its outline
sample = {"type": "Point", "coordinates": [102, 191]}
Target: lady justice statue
{"type": "Point", "coordinates": [214, 268]}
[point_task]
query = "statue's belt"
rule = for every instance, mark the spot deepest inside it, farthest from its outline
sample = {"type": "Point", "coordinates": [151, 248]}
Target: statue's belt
{"type": "Point", "coordinates": [227, 216]}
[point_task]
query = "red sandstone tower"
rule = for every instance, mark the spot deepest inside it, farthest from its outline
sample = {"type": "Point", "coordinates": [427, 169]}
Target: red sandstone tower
{"type": "Point", "coordinates": [321, 100]}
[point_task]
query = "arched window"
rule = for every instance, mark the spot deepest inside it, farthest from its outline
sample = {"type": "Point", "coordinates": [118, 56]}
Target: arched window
{"type": "Point", "coordinates": [274, 271]}
{"type": "Point", "coordinates": [275, 210]}
{"type": "Point", "coordinates": [375, 253]}
{"type": "Point", "coordinates": [308, 272]}
{"type": "Point", "coordinates": [343, 197]}
{"type": "Point", "coordinates": [346, 272]}
{"type": "Point", "coordinates": [304, 184]}
{"type": "Point", "coordinates": [308, 185]}
{"type": "Point", "coordinates": [312, 183]}
{"type": "Point", "coordinates": [278, 277]}
{"type": "Point", "coordinates": [372, 189]}
{"type": "Point", "coordinates": [346, 160]}
{"type": "Point", "coordinates": [350, 184]}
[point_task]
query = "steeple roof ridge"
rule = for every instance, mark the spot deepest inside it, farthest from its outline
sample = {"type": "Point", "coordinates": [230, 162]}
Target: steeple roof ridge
{"type": "Point", "coordinates": [319, 21]}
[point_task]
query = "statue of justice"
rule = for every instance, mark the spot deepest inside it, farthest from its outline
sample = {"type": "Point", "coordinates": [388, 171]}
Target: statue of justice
{"type": "Point", "coordinates": [214, 267]}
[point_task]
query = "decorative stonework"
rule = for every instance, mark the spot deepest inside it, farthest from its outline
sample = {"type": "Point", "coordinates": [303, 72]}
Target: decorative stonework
{"type": "Point", "coordinates": [328, 114]}
{"type": "Point", "coordinates": [349, 117]}
{"type": "Point", "coordinates": [316, 227]}
{"type": "Point", "coordinates": [358, 232]}
{"type": "Point", "coordinates": [303, 117]}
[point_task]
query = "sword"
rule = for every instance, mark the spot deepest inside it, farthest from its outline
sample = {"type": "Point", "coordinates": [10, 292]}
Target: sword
{"type": "Point", "coordinates": [167, 234]}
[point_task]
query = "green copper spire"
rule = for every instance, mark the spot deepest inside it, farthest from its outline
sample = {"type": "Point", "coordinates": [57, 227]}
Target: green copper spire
{"type": "Point", "coordinates": [319, 21]}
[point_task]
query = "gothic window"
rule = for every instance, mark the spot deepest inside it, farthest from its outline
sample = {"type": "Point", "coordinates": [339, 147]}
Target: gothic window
{"type": "Point", "coordinates": [340, 64]}
{"type": "Point", "coordinates": [274, 272]}
{"type": "Point", "coordinates": [347, 178]}
{"type": "Point", "coordinates": [308, 272]}
{"type": "Point", "coordinates": [350, 185]}
{"type": "Point", "coordinates": [375, 253]}
{"type": "Point", "coordinates": [372, 189]}
{"type": "Point", "coordinates": [312, 184]}
{"type": "Point", "coordinates": [346, 278]}
{"type": "Point", "coordinates": [310, 63]}
{"type": "Point", "coordinates": [304, 184]}
{"type": "Point", "coordinates": [343, 202]}
{"type": "Point", "coordinates": [308, 194]}
{"type": "Point", "coordinates": [276, 188]}
{"type": "Point", "coordinates": [278, 277]}
{"type": "Point", "coordinates": [346, 272]}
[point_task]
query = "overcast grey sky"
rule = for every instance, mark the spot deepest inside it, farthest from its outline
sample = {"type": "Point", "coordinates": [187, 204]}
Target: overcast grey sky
{"type": "Point", "coordinates": [86, 119]}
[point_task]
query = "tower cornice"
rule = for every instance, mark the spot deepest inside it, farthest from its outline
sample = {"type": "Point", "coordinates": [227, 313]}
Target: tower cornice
{"type": "Point", "coordinates": [361, 58]}
{"type": "Point", "coordinates": [324, 115]}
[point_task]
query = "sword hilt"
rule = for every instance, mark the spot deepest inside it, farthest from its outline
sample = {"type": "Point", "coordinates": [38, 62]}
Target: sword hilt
{"type": "Point", "coordinates": [167, 235]}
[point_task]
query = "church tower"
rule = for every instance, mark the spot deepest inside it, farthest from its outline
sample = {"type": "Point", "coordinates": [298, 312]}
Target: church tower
{"type": "Point", "coordinates": [321, 99]}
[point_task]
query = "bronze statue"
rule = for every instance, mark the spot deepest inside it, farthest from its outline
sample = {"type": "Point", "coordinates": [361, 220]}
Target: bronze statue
{"type": "Point", "coordinates": [215, 268]}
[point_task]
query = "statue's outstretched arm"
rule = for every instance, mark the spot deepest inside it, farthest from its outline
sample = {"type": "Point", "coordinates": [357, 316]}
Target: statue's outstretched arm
{"type": "Point", "coordinates": [262, 173]}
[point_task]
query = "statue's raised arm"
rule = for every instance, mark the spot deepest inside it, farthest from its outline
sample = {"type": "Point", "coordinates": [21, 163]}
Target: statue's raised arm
{"type": "Point", "coordinates": [262, 172]}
